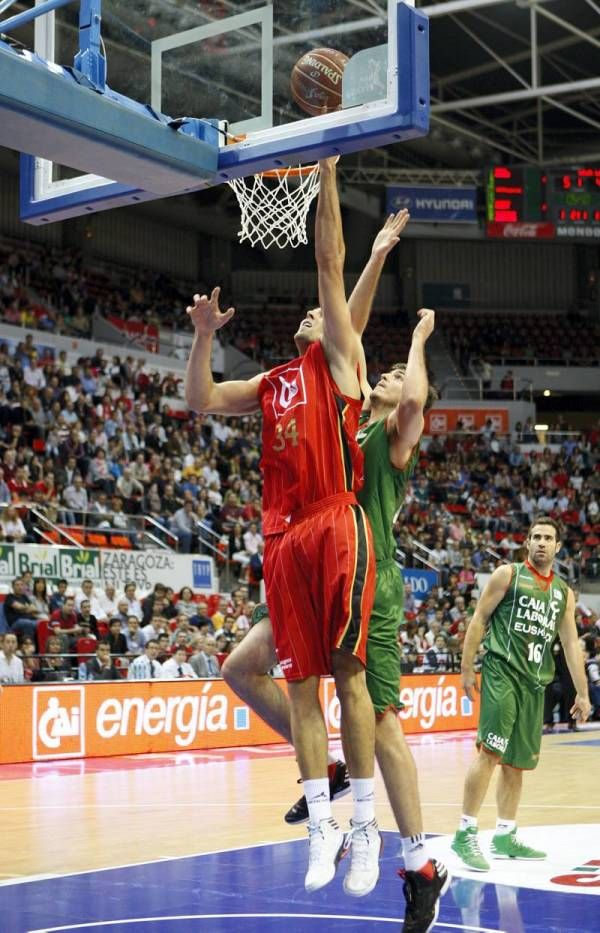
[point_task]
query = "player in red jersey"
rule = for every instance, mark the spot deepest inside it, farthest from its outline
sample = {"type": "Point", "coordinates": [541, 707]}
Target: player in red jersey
{"type": "Point", "coordinates": [318, 565]}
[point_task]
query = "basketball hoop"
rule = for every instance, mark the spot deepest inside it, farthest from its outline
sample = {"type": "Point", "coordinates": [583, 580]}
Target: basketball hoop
{"type": "Point", "coordinates": [275, 204]}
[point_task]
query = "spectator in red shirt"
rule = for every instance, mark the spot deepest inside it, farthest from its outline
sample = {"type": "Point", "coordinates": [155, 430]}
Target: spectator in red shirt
{"type": "Point", "coordinates": [19, 486]}
{"type": "Point", "coordinates": [64, 620]}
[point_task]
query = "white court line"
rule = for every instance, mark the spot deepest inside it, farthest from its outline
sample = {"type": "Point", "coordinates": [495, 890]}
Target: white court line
{"type": "Point", "coordinates": [254, 916]}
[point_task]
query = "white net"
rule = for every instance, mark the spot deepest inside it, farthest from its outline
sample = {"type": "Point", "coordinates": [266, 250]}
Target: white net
{"type": "Point", "coordinates": [275, 205]}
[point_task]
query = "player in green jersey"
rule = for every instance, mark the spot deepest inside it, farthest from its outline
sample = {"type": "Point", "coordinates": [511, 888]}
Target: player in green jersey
{"type": "Point", "coordinates": [522, 610]}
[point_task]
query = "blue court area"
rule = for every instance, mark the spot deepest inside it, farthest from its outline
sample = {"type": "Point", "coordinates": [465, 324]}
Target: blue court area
{"type": "Point", "coordinates": [260, 889]}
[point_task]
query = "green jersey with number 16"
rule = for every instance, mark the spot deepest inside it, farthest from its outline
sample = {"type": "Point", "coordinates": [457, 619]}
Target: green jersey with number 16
{"type": "Point", "coordinates": [524, 624]}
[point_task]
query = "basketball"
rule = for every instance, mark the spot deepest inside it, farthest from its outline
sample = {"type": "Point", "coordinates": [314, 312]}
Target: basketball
{"type": "Point", "coordinates": [316, 81]}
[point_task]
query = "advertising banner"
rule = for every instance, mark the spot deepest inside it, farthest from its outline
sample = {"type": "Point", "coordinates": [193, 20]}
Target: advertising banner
{"type": "Point", "coordinates": [521, 230]}
{"type": "Point", "coordinates": [75, 720]}
{"type": "Point", "coordinates": [444, 420]}
{"type": "Point", "coordinates": [421, 582]}
{"type": "Point", "coordinates": [104, 565]}
{"type": "Point", "coordinates": [431, 204]}
{"type": "Point", "coordinates": [578, 232]}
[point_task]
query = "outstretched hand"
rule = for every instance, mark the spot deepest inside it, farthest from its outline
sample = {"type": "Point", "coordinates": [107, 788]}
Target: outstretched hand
{"type": "Point", "coordinates": [206, 315]}
{"type": "Point", "coordinates": [389, 235]}
{"type": "Point", "coordinates": [424, 328]}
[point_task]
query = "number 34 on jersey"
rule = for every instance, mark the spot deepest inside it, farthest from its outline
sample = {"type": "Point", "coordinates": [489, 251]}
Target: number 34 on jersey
{"type": "Point", "coordinates": [285, 435]}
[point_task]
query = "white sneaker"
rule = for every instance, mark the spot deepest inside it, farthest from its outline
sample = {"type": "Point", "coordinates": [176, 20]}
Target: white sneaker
{"type": "Point", "coordinates": [325, 849]}
{"type": "Point", "coordinates": [366, 844]}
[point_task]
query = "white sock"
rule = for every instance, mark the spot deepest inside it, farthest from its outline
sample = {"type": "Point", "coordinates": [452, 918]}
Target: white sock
{"type": "Point", "coordinates": [331, 759]}
{"type": "Point", "coordinates": [466, 822]}
{"type": "Point", "coordinates": [414, 849]}
{"type": "Point", "coordinates": [504, 827]}
{"type": "Point", "coordinates": [317, 798]}
{"type": "Point", "coordinates": [363, 795]}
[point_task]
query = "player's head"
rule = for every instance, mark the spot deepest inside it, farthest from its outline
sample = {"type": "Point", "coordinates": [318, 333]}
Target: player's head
{"type": "Point", "coordinates": [543, 540]}
{"type": "Point", "coordinates": [588, 643]}
{"type": "Point", "coordinates": [388, 390]}
{"type": "Point", "coordinates": [310, 330]}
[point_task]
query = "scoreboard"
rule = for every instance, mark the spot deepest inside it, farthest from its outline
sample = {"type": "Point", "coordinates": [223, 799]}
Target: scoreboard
{"type": "Point", "coordinates": [532, 202]}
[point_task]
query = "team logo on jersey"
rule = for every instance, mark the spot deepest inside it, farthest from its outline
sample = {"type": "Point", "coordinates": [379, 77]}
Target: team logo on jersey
{"type": "Point", "coordinates": [557, 594]}
{"type": "Point", "coordinates": [289, 390]}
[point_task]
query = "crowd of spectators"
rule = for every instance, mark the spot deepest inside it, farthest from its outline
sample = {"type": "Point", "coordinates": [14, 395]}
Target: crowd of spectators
{"type": "Point", "coordinates": [572, 338]}
{"type": "Point", "coordinates": [60, 633]}
{"type": "Point", "coordinates": [58, 291]}
{"type": "Point", "coordinates": [94, 442]}
{"type": "Point", "coordinates": [475, 494]}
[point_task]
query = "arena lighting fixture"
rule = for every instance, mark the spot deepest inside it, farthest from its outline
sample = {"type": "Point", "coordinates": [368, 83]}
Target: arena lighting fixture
{"type": "Point", "coordinates": [547, 392]}
{"type": "Point", "coordinates": [540, 427]}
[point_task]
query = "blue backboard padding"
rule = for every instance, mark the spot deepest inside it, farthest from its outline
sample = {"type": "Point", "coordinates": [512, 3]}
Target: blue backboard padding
{"type": "Point", "coordinates": [46, 112]}
{"type": "Point", "coordinates": [371, 128]}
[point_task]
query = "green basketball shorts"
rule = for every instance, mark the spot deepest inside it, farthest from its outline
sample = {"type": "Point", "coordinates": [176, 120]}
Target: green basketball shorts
{"type": "Point", "coordinates": [511, 716]}
{"type": "Point", "coordinates": [383, 652]}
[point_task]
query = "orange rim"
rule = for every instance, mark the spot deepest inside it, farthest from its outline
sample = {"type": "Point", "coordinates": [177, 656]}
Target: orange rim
{"type": "Point", "coordinates": [297, 171]}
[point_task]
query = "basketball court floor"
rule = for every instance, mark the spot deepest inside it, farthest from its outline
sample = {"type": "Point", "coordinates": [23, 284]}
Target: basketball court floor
{"type": "Point", "coordinates": [197, 842]}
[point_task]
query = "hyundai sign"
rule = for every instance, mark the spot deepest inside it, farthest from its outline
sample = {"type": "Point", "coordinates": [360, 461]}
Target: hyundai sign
{"type": "Point", "coordinates": [434, 205]}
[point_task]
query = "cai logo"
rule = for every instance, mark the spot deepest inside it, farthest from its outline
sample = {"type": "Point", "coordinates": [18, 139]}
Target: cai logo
{"type": "Point", "coordinates": [288, 389]}
{"type": "Point", "coordinates": [58, 722]}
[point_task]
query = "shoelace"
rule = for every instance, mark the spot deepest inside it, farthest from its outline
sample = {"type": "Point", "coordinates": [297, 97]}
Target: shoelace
{"type": "Point", "coordinates": [473, 844]}
{"type": "Point", "coordinates": [359, 840]}
{"type": "Point", "coordinates": [316, 838]}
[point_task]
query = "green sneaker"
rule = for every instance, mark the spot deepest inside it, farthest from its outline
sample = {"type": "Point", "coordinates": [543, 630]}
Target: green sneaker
{"type": "Point", "coordinates": [466, 846]}
{"type": "Point", "coordinates": [508, 846]}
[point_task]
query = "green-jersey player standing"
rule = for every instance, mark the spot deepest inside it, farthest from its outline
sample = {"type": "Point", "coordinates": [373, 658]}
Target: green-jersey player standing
{"type": "Point", "coordinates": [522, 610]}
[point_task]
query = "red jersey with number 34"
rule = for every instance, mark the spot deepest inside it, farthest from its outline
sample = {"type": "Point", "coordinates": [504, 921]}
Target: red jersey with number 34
{"type": "Point", "coordinates": [309, 442]}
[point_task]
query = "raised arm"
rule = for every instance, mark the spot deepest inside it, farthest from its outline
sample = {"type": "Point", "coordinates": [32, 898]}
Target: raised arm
{"type": "Point", "coordinates": [340, 342]}
{"type": "Point", "coordinates": [202, 394]}
{"type": "Point", "coordinates": [496, 588]}
{"type": "Point", "coordinates": [360, 302]}
{"type": "Point", "coordinates": [569, 638]}
{"type": "Point", "coordinates": [405, 423]}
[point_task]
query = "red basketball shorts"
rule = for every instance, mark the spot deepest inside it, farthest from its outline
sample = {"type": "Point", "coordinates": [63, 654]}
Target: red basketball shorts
{"type": "Point", "coordinates": [320, 581]}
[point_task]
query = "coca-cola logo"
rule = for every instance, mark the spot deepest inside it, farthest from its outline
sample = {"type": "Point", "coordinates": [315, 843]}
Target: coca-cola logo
{"type": "Point", "coordinates": [521, 231]}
